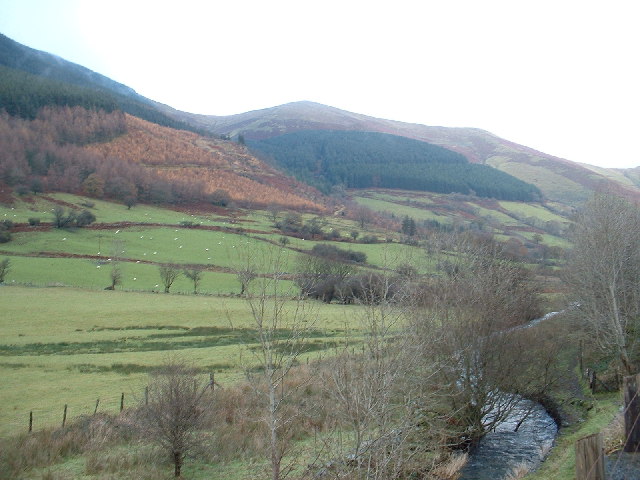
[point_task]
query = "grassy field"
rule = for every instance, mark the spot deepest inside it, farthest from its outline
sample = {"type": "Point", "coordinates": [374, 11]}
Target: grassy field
{"type": "Point", "coordinates": [502, 218]}
{"type": "Point", "coordinates": [64, 340]}
{"type": "Point", "coordinates": [72, 346]}
{"type": "Point", "coordinates": [399, 210]}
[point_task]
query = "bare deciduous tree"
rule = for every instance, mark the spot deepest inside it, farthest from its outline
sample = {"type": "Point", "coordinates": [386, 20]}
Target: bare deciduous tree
{"type": "Point", "coordinates": [168, 275]}
{"type": "Point", "coordinates": [604, 274]}
{"type": "Point", "coordinates": [195, 275]}
{"type": "Point", "coordinates": [245, 270]}
{"type": "Point", "coordinates": [469, 313]}
{"type": "Point", "coordinates": [175, 411]}
{"type": "Point", "coordinates": [115, 275]}
{"type": "Point", "coordinates": [372, 389]}
{"type": "Point", "coordinates": [363, 216]}
{"type": "Point", "coordinates": [117, 249]}
{"type": "Point", "coordinates": [282, 322]}
{"type": "Point", "coordinates": [245, 276]}
{"type": "Point", "coordinates": [5, 266]}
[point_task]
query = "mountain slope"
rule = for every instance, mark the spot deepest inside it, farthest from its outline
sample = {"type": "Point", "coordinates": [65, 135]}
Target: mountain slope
{"type": "Point", "coordinates": [216, 164]}
{"type": "Point", "coordinates": [559, 179]}
{"type": "Point", "coordinates": [353, 159]}
{"type": "Point", "coordinates": [16, 56]}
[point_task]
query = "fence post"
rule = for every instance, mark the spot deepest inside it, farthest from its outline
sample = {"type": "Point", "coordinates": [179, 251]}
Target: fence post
{"type": "Point", "coordinates": [97, 403]}
{"type": "Point", "coordinates": [64, 415]}
{"type": "Point", "coordinates": [212, 380]}
{"type": "Point", "coordinates": [122, 402]}
{"type": "Point", "coordinates": [592, 380]}
{"type": "Point", "coordinates": [581, 356]}
{"type": "Point", "coordinates": [146, 395]}
{"type": "Point", "coordinates": [590, 458]}
{"type": "Point", "coordinates": [30, 421]}
{"type": "Point", "coordinates": [631, 387]}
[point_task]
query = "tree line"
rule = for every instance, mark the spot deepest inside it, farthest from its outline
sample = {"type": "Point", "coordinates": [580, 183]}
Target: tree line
{"type": "Point", "coordinates": [326, 159]}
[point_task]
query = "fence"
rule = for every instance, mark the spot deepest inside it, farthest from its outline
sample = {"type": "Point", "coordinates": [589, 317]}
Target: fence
{"type": "Point", "coordinates": [62, 415]}
{"type": "Point", "coordinates": [590, 462]}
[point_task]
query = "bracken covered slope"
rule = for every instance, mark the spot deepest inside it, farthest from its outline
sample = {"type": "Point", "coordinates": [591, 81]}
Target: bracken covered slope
{"type": "Point", "coordinates": [220, 164]}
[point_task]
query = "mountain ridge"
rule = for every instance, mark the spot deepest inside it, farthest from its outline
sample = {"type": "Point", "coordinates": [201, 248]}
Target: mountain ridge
{"type": "Point", "coordinates": [559, 179]}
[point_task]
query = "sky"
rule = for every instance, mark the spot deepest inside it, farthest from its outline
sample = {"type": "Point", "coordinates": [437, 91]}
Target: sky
{"type": "Point", "coordinates": [560, 76]}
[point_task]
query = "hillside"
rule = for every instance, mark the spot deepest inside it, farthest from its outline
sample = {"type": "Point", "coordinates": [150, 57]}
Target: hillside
{"type": "Point", "coordinates": [217, 164]}
{"type": "Point", "coordinates": [558, 179]}
{"type": "Point", "coordinates": [352, 159]}
{"type": "Point", "coordinates": [45, 66]}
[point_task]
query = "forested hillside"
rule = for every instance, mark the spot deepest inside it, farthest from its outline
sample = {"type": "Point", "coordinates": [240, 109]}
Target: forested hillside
{"type": "Point", "coordinates": [52, 78]}
{"type": "Point", "coordinates": [23, 94]}
{"type": "Point", "coordinates": [354, 159]}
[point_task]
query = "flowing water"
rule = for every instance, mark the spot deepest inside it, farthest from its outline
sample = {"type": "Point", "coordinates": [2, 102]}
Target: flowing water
{"type": "Point", "coordinates": [499, 452]}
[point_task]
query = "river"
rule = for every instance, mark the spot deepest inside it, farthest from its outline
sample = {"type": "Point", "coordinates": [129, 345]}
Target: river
{"type": "Point", "coordinates": [500, 451]}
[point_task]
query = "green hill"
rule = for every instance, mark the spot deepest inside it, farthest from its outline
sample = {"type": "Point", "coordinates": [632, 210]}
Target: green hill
{"type": "Point", "coordinates": [355, 159]}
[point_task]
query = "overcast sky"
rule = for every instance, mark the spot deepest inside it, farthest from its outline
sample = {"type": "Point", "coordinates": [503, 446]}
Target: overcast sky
{"type": "Point", "coordinates": [561, 76]}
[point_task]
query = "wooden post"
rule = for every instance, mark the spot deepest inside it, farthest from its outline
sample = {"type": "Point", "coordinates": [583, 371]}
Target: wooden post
{"type": "Point", "coordinates": [64, 415]}
{"type": "Point", "coordinates": [146, 395]}
{"type": "Point", "coordinates": [212, 381]}
{"type": "Point", "coordinates": [122, 402]}
{"type": "Point", "coordinates": [581, 357]}
{"type": "Point", "coordinates": [590, 458]}
{"type": "Point", "coordinates": [592, 381]}
{"type": "Point", "coordinates": [30, 421]}
{"type": "Point", "coordinates": [97, 403]}
{"type": "Point", "coordinates": [631, 387]}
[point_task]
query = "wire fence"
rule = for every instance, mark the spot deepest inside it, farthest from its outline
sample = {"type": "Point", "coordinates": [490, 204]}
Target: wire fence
{"type": "Point", "coordinates": [55, 416]}
{"type": "Point", "coordinates": [60, 415]}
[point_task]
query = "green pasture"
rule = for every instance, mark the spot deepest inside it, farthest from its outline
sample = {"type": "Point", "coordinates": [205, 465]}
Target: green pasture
{"type": "Point", "coordinates": [146, 244]}
{"type": "Point", "coordinates": [72, 346]}
{"type": "Point", "coordinates": [95, 274]}
{"type": "Point", "coordinates": [532, 210]}
{"type": "Point", "coordinates": [400, 196]}
{"type": "Point", "coordinates": [495, 217]}
{"type": "Point", "coordinates": [547, 239]}
{"type": "Point", "coordinates": [105, 212]}
{"type": "Point", "coordinates": [552, 185]}
{"type": "Point", "coordinates": [401, 210]}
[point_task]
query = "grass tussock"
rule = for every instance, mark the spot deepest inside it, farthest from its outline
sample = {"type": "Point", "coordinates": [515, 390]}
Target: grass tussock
{"type": "Point", "coordinates": [48, 447]}
{"type": "Point", "coordinates": [451, 467]}
{"type": "Point", "coordinates": [518, 472]}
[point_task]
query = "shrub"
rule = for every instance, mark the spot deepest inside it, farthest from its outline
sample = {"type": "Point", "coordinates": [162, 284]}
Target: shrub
{"type": "Point", "coordinates": [22, 189]}
{"type": "Point", "coordinates": [85, 218]}
{"type": "Point", "coordinates": [4, 269]}
{"type": "Point", "coordinates": [33, 221]}
{"type": "Point", "coordinates": [284, 240]}
{"type": "Point", "coordinates": [292, 222]}
{"type": "Point", "coordinates": [5, 235]}
{"type": "Point", "coordinates": [369, 239]}
{"type": "Point", "coordinates": [333, 234]}
{"type": "Point", "coordinates": [72, 219]}
{"type": "Point", "coordinates": [331, 252]}
{"type": "Point", "coordinates": [220, 198]}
